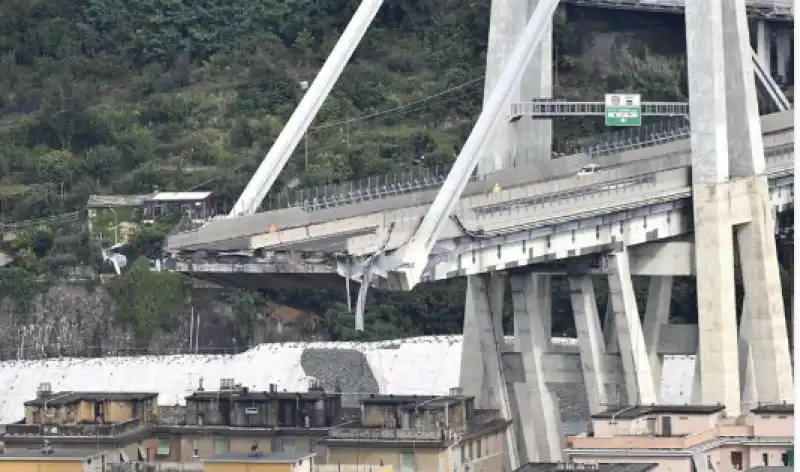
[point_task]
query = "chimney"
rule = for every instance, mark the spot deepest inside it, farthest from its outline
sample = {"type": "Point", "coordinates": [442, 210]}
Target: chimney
{"type": "Point", "coordinates": [44, 390]}
{"type": "Point", "coordinates": [200, 385]}
{"type": "Point", "coordinates": [456, 392]}
{"type": "Point", "coordinates": [273, 388]}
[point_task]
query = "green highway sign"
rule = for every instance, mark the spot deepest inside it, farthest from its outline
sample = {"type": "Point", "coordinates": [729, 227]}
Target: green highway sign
{"type": "Point", "coordinates": [623, 109]}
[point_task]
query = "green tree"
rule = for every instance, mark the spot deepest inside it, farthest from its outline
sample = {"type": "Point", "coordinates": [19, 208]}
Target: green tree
{"type": "Point", "coordinates": [146, 300]}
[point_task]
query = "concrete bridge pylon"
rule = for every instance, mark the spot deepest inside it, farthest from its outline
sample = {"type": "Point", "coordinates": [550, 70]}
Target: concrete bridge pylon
{"type": "Point", "coordinates": [730, 196]}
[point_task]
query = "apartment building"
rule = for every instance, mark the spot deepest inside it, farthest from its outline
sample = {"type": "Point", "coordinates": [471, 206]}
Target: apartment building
{"type": "Point", "coordinates": [687, 438]}
{"type": "Point", "coordinates": [385, 432]}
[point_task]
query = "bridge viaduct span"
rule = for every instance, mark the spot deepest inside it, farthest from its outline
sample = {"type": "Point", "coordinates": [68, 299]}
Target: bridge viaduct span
{"type": "Point", "coordinates": [659, 211]}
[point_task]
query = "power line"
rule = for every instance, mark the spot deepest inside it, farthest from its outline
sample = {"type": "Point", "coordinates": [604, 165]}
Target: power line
{"type": "Point", "coordinates": [397, 108]}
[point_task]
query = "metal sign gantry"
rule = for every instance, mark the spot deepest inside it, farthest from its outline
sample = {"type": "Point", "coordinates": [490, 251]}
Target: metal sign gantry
{"type": "Point", "coordinates": [560, 108]}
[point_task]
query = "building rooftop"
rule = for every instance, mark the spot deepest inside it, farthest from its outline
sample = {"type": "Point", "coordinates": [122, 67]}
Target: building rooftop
{"type": "Point", "coordinates": [575, 467]}
{"type": "Point", "coordinates": [100, 201]}
{"type": "Point", "coordinates": [778, 408]}
{"type": "Point", "coordinates": [179, 196]}
{"type": "Point", "coordinates": [636, 411]}
{"type": "Point", "coordinates": [432, 401]}
{"type": "Point", "coordinates": [267, 457]}
{"type": "Point", "coordinates": [249, 395]}
{"type": "Point", "coordinates": [57, 455]}
{"type": "Point", "coordinates": [68, 398]}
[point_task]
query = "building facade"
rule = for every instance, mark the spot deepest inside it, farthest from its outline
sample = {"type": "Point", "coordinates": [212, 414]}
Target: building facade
{"type": "Point", "coordinates": [384, 433]}
{"type": "Point", "coordinates": [687, 438]}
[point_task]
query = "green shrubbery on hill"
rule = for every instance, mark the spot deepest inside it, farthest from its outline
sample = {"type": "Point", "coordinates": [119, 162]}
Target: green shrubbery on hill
{"type": "Point", "coordinates": [124, 96]}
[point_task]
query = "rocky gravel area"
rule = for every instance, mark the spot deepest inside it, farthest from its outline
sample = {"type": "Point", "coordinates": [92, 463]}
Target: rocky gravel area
{"type": "Point", "coordinates": [348, 371]}
{"type": "Point", "coordinates": [343, 370]}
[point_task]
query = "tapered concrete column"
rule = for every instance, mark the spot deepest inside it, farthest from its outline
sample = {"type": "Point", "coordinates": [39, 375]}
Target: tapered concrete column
{"type": "Point", "coordinates": [764, 44]}
{"type": "Point", "coordinates": [718, 343]}
{"type": "Point", "coordinates": [538, 414]}
{"type": "Point", "coordinates": [659, 298]}
{"type": "Point", "coordinates": [639, 383]}
{"type": "Point", "coordinates": [767, 334]}
{"type": "Point", "coordinates": [590, 341]}
{"type": "Point", "coordinates": [746, 365]}
{"type": "Point", "coordinates": [783, 48]}
{"type": "Point", "coordinates": [507, 20]}
{"type": "Point", "coordinates": [609, 330]}
{"type": "Point", "coordinates": [526, 140]}
{"type": "Point", "coordinates": [482, 376]}
{"type": "Point", "coordinates": [534, 137]}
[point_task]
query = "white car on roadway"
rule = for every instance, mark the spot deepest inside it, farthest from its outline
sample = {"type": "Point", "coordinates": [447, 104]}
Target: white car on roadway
{"type": "Point", "coordinates": [589, 169]}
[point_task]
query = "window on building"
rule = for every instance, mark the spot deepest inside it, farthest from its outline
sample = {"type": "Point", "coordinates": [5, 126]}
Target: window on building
{"type": "Point", "coordinates": [463, 454]}
{"type": "Point", "coordinates": [195, 448]}
{"type": "Point", "coordinates": [221, 445]}
{"type": "Point", "coordinates": [287, 445]}
{"type": "Point", "coordinates": [471, 451]}
{"type": "Point", "coordinates": [785, 459]}
{"type": "Point", "coordinates": [479, 447]}
{"type": "Point", "coordinates": [407, 463]}
{"type": "Point", "coordinates": [765, 459]}
{"type": "Point", "coordinates": [736, 460]}
{"type": "Point", "coordinates": [163, 447]}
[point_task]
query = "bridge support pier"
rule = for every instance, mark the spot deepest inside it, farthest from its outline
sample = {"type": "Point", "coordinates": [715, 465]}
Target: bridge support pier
{"type": "Point", "coordinates": [639, 384]}
{"type": "Point", "coordinates": [539, 415]}
{"type": "Point", "coordinates": [590, 341]}
{"type": "Point", "coordinates": [730, 192]}
{"type": "Point", "coordinates": [482, 373]}
{"type": "Point", "coordinates": [659, 295]}
{"type": "Point", "coordinates": [763, 317]}
{"type": "Point", "coordinates": [513, 382]}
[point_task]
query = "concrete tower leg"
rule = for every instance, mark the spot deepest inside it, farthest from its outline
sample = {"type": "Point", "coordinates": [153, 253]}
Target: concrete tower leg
{"type": "Point", "coordinates": [639, 383]}
{"type": "Point", "coordinates": [659, 295]}
{"type": "Point", "coordinates": [718, 343]}
{"type": "Point", "coordinates": [746, 364]}
{"type": "Point", "coordinates": [483, 376]}
{"type": "Point", "coordinates": [590, 341]}
{"type": "Point", "coordinates": [505, 25]}
{"type": "Point", "coordinates": [538, 415]}
{"type": "Point", "coordinates": [610, 330]}
{"type": "Point", "coordinates": [764, 44]}
{"type": "Point", "coordinates": [614, 389]}
{"type": "Point", "coordinates": [534, 137]}
{"type": "Point", "coordinates": [766, 330]}
{"type": "Point", "coordinates": [526, 140]}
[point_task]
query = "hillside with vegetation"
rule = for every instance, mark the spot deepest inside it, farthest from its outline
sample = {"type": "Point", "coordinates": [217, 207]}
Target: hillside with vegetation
{"type": "Point", "coordinates": [124, 97]}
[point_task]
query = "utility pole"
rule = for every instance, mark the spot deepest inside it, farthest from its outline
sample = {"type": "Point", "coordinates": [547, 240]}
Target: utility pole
{"type": "Point", "coordinates": [304, 86]}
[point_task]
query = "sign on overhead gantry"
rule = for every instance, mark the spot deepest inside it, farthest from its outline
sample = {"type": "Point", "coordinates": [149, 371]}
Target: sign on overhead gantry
{"type": "Point", "coordinates": [560, 108]}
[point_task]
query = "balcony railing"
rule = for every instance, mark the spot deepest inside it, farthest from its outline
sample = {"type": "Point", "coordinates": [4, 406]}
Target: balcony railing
{"type": "Point", "coordinates": [385, 434]}
{"type": "Point", "coordinates": [117, 429]}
